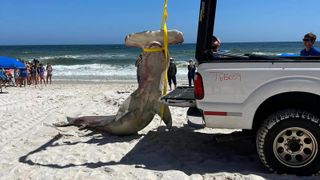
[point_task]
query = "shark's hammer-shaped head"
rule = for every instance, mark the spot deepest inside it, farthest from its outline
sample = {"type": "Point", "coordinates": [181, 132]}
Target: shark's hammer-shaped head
{"type": "Point", "coordinates": [143, 39]}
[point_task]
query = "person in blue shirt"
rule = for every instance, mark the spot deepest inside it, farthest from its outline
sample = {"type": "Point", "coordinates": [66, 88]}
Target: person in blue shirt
{"type": "Point", "coordinates": [309, 41]}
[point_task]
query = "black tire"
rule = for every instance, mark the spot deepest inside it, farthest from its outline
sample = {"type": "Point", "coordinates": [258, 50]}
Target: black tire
{"type": "Point", "coordinates": [195, 112]}
{"type": "Point", "coordinates": [282, 147]}
{"type": "Point", "coordinates": [196, 126]}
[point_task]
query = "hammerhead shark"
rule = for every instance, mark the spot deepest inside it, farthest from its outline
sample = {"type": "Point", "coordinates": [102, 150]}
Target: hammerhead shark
{"type": "Point", "coordinates": [139, 109]}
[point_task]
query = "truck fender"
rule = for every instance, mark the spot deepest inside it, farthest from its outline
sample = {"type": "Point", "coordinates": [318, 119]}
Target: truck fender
{"type": "Point", "coordinates": [278, 86]}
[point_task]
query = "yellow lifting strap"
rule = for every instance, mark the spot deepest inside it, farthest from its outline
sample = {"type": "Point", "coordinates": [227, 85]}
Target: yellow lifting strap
{"type": "Point", "coordinates": [151, 50]}
{"type": "Point", "coordinates": [164, 30]}
{"type": "Point", "coordinates": [165, 45]}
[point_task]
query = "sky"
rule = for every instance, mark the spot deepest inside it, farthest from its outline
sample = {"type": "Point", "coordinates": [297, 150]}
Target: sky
{"type": "Point", "coordinates": [42, 22]}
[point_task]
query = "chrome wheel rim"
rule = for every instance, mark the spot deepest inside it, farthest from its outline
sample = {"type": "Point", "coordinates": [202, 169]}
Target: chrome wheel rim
{"type": "Point", "coordinates": [295, 147]}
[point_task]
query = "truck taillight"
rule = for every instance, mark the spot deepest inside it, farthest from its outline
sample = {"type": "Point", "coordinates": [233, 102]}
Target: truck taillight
{"type": "Point", "coordinates": [198, 87]}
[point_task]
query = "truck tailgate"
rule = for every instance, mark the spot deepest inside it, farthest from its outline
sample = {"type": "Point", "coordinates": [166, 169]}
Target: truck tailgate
{"type": "Point", "coordinates": [180, 97]}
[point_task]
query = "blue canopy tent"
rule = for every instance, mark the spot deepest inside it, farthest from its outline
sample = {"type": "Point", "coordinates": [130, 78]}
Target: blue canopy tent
{"type": "Point", "coordinates": [8, 63]}
{"type": "Point", "coordinates": [11, 63]}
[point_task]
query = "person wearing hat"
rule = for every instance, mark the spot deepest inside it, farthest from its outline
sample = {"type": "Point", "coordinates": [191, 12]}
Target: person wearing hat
{"type": "Point", "coordinates": [191, 72]}
{"type": "Point", "coordinates": [215, 48]}
{"type": "Point", "coordinates": [172, 72]}
{"type": "Point", "coordinates": [216, 44]}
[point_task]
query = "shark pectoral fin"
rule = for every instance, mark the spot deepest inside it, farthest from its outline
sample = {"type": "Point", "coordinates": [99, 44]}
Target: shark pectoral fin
{"type": "Point", "coordinates": [124, 107]}
{"type": "Point", "coordinates": [82, 127]}
{"type": "Point", "coordinates": [90, 121]}
{"type": "Point", "coordinates": [61, 124]}
{"type": "Point", "coordinates": [69, 122]}
{"type": "Point", "coordinates": [167, 119]}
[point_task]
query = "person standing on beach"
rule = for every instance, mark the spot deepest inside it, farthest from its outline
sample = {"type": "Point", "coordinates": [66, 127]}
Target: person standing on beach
{"type": "Point", "coordinates": [23, 77]}
{"type": "Point", "coordinates": [41, 74]}
{"type": "Point", "coordinates": [172, 72]}
{"type": "Point", "coordinates": [49, 73]}
{"type": "Point", "coordinates": [191, 72]}
{"type": "Point", "coordinates": [28, 65]}
{"type": "Point", "coordinates": [37, 67]}
{"type": "Point", "coordinates": [309, 41]}
{"type": "Point", "coordinates": [138, 62]}
{"type": "Point", "coordinates": [38, 73]}
{"type": "Point", "coordinates": [33, 72]}
{"type": "Point", "coordinates": [16, 77]}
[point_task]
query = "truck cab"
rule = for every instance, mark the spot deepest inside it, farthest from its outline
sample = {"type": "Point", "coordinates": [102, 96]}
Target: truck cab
{"type": "Point", "coordinates": [275, 97]}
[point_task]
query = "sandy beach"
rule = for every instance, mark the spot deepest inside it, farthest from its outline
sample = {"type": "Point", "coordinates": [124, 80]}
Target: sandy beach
{"type": "Point", "coordinates": [31, 148]}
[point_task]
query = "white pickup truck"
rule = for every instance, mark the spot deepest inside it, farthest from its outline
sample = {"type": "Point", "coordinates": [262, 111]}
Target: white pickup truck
{"type": "Point", "coordinates": [276, 98]}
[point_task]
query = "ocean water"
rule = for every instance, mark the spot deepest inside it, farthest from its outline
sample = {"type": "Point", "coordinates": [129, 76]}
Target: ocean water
{"type": "Point", "coordinates": [116, 62]}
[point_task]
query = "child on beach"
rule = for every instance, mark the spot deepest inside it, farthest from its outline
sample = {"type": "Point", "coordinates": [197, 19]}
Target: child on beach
{"type": "Point", "coordinates": [309, 41]}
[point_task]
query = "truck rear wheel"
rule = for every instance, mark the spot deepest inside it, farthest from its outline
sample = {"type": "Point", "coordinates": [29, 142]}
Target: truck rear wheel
{"type": "Point", "coordinates": [288, 142]}
{"type": "Point", "coordinates": [195, 119]}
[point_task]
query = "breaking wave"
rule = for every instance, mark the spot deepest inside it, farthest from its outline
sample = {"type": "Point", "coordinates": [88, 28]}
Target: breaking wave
{"type": "Point", "coordinates": [102, 71]}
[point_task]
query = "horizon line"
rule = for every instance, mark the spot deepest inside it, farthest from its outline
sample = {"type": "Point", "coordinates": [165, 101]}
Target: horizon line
{"type": "Point", "coordinates": [102, 44]}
